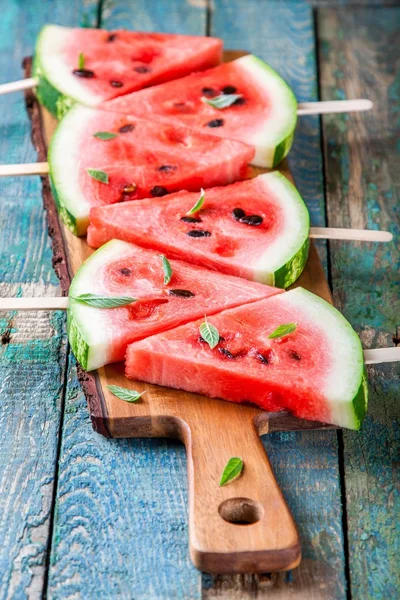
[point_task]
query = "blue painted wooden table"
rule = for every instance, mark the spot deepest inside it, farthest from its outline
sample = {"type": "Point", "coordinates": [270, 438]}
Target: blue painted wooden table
{"type": "Point", "coordinates": [82, 516]}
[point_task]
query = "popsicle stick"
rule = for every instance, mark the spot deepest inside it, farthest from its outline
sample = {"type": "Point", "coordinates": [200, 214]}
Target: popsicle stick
{"type": "Point", "coordinates": [362, 235]}
{"type": "Point", "coordinates": [27, 169]}
{"type": "Point", "coordinates": [16, 86]}
{"type": "Point", "coordinates": [50, 303]}
{"type": "Point", "coordinates": [382, 355]}
{"type": "Point", "coordinates": [333, 106]}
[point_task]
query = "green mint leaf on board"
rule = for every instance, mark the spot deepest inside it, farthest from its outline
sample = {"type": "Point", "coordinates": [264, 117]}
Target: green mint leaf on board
{"type": "Point", "coordinates": [81, 61]}
{"type": "Point", "coordinates": [98, 175]}
{"type": "Point", "coordinates": [283, 330]}
{"type": "Point", "coordinates": [209, 333]}
{"type": "Point", "coordinates": [222, 101]}
{"type": "Point", "coordinates": [232, 470]}
{"type": "Point", "coordinates": [198, 204]}
{"type": "Point", "coordinates": [125, 394]}
{"type": "Point", "coordinates": [167, 269]}
{"type": "Point", "coordinates": [105, 135]}
{"type": "Point", "coordinates": [104, 301]}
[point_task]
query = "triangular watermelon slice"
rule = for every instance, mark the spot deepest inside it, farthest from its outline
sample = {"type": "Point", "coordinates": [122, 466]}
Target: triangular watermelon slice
{"type": "Point", "coordinates": [257, 229]}
{"type": "Point", "coordinates": [101, 335]}
{"type": "Point", "coordinates": [93, 65]}
{"type": "Point", "coordinates": [256, 106]}
{"type": "Point", "coordinates": [99, 158]}
{"type": "Point", "coordinates": [316, 372]}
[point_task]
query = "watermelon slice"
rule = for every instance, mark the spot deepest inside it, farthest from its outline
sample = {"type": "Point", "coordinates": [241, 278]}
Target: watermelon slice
{"type": "Point", "coordinates": [142, 159]}
{"type": "Point", "coordinates": [113, 63]}
{"type": "Point", "coordinates": [263, 113]}
{"type": "Point", "coordinates": [316, 372]}
{"type": "Point", "coordinates": [257, 229]}
{"type": "Point", "coordinates": [101, 335]}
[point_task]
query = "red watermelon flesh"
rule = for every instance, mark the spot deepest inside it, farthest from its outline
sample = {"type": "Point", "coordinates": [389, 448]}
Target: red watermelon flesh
{"type": "Point", "coordinates": [144, 159]}
{"type": "Point", "coordinates": [118, 62]}
{"type": "Point", "coordinates": [99, 336]}
{"type": "Point", "coordinates": [316, 372]}
{"type": "Point", "coordinates": [270, 247]}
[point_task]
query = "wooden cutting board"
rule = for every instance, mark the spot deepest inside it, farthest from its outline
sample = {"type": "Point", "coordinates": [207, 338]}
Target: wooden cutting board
{"type": "Point", "coordinates": [245, 526]}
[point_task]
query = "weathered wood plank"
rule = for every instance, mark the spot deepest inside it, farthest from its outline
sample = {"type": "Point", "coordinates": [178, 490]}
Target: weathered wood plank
{"type": "Point", "coordinates": [306, 464]}
{"type": "Point", "coordinates": [125, 499]}
{"type": "Point", "coordinates": [360, 56]}
{"type": "Point", "coordinates": [33, 347]}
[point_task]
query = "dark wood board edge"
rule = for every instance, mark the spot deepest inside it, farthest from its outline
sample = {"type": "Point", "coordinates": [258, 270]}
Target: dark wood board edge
{"type": "Point", "coordinates": [88, 381]}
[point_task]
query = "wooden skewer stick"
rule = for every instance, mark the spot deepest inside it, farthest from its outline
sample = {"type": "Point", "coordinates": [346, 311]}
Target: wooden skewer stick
{"type": "Point", "coordinates": [16, 86]}
{"type": "Point", "coordinates": [24, 169]}
{"type": "Point", "coordinates": [333, 106]}
{"type": "Point", "coordinates": [372, 357]}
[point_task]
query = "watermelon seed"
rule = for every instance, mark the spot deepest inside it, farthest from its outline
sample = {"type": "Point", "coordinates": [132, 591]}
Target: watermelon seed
{"type": "Point", "coordinates": [112, 37]}
{"type": "Point", "coordinates": [191, 219]}
{"type": "Point", "coordinates": [181, 293]}
{"type": "Point", "coordinates": [262, 358]}
{"type": "Point", "coordinates": [130, 188]}
{"type": "Point", "coordinates": [142, 69]}
{"type": "Point", "coordinates": [229, 89]}
{"type": "Point", "coordinates": [215, 123]}
{"type": "Point", "coordinates": [158, 190]}
{"type": "Point", "coordinates": [126, 128]}
{"type": "Point", "coordinates": [226, 352]}
{"type": "Point", "coordinates": [125, 271]}
{"type": "Point", "coordinates": [167, 168]}
{"type": "Point", "coordinates": [239, 101]}
{"type": "Point", "coordinates": [295, 355]}
{"type": "Point", "coordinates": [238, 213]}
{"type": "Point", "coordinates": [197, 233]}
{"type": "Point", "coordinates": [116, 84]}
{"type": "Point", "coordinates": [251, 220]}
{"type": "Point", "coordinates": [209, 92]}
{"type": "Point", "coordinates": [85, 73]}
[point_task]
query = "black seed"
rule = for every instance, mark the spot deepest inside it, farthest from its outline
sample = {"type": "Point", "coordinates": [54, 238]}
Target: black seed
{"type": "Point", "coordinates": [158, 190]}
{"type": "Point", "coordinates": [125, 271]}
{"type": "Point", "coordinates": [142, 69]}
{"type": "Point", "coordinates": [181, 293]}
{"type": "Point", "coordinates": [251, 220]}
{"type": "Point", "coordinates": [198, 233]}
{"type": "Point", "coordinates": [226, 352]}
{"type": "Point", "coordinates": [85, 73]}
{"type": "Point", "coordinates": [167, 168]}
{"type": "Point", "coordinates": [191, 219]}
{"type": "Point", "coordinates": [215, 123]}
{"type": "Point", "coordinates": [238, 213]}
{"type": "Point", "coordinates": [239, 101]}
{"type": "Point", "coordinates": [293, 354]}
{"type": "Point", "coordinates": [262, 358]}
{"type": "Point", "coordinates": [126, 128]}
{"type": "Point", "coordinates": [229, 89]}
{"type": "Point", "coordinates": [112, 37]}
{"type": "Point", "coordinates": [116, 84]}
{"type": "Point", "coordinates": [209, 92]}
{"type": "Point", "coordinates": [179, 104]}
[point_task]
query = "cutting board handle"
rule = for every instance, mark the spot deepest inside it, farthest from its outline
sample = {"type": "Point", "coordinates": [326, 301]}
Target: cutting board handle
{"type": "Point", "coordinates": [244, 526]}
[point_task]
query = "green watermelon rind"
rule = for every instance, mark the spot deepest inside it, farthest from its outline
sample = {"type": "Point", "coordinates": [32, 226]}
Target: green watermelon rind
{"type": "Point", "coordinates": [292, 270]}
{"type": "Point", "coordinates": [279, 145]}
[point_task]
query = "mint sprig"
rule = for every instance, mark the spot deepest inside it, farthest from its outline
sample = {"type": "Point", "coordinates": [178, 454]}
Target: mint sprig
{"type": "Point", "coordinates": [283, 330]}
{"type": "Point", "coordinates": [222, 101]}
{"type": "Point", "coordinates": [101, 176]}
{"type": "Point", "coordinates": [125, 393]}
{"type": "Point", "coordinates": [233, 470]}
{"type": "Point", "coordinates": [198, 204]}
{"type": "Point", "coordinates": [98, 301]}
{"type": "Point", "coordinates": [105, 135]}
{"type": "Point", "coordinates": [209, 333]}
{"type": "Point", "coordinates": [167, 269]}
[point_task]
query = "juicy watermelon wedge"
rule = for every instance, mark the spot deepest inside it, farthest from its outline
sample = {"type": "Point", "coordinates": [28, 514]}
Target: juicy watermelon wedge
{"type": "Point", "coordinates": [100, 335]}
{"type": "Point", "coordinates": [144, 159]}
{"type": "Point", "coordinates": [273, 251]}
{"type": "Point", "coordinates": [316, 372]}
{"type": "Point", "coordinates": [115, 63]}
{"type": "Point", "coordinates": [264, 115]}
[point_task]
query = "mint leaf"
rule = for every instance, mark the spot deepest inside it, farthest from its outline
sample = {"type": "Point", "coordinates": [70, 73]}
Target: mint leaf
{"type": "Point", "coordinates": [125, 394]}
{"type": "Point", "coordinates": [98, 175]}
{"type": "Point", "coordinates": [209, 333]}
{"type": "Point", "coordinates": [283, 330]}
{"type": "Point", "coordinates": [105, 135]}
{"type": "Point", "coordinates": [232, 470]}
{"type": "Point", "coordinates": [103, 301]}
{"type": "Point", "coordinates": [166, 268]}
{"type": "Point", "coordinates": [222, 101]}
{"type": "Point", "coordinates": [198, 204]}
{"type": "Point", "coordinates": [81, 61]}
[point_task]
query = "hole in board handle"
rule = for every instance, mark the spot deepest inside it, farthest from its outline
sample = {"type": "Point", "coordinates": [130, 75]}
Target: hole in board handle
{"type": "Point", "coordinates": [241, 511]}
